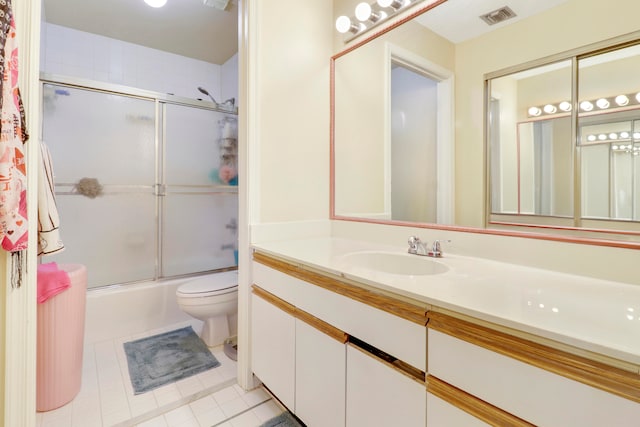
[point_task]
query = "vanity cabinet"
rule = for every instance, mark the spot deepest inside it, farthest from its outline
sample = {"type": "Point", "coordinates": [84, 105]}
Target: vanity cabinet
{"type": "Point", "coordinates": [337, 342]}
{"type": "Point", "coordinates": [517, 377]}
{"type": "Point", "coordinates": [380, 395]}
{"type": "Point", "coordinates": [273, 346]}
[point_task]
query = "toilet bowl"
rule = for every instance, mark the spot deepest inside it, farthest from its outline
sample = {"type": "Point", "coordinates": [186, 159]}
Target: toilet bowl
{"type": "Point", "coordinates": [214, 300]}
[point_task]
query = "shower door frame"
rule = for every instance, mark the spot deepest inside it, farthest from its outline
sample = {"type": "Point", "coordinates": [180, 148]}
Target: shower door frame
{"type": "Point", "coordinates": [159, 189]}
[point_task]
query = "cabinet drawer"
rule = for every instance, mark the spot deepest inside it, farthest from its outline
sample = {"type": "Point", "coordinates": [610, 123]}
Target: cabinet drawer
{"type": "Point", "coordinates": [526, 391]}
{"type": "Point", "coordinates": [402, 338]}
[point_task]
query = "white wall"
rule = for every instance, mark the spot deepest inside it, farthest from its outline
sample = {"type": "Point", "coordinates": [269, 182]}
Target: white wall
{"type": "Point", "coordinates": [74, 53]}
{"type": "Point", "coordinates": [291, 94]}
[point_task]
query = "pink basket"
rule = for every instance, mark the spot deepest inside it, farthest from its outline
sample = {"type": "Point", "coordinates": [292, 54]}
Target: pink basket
{"type": "Point", "coordinates": [60, 342]}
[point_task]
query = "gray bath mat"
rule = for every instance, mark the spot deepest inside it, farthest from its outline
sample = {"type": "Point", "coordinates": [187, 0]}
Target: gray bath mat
{"type": "Point", "coordinates": [285, 419]}
{"type": "Point", "coordinates": [165, 358]}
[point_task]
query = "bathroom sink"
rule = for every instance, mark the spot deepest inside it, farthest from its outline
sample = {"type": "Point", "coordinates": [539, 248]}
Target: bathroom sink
{"type": "Point", "coordinates": [394, 263]}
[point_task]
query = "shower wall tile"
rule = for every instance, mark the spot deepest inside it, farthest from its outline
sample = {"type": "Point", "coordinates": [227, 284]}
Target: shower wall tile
{"type": "Point", "coordinates": [84, 55]}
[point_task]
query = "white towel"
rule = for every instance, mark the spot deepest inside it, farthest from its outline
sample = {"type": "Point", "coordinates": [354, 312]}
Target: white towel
{"type": "Point", "coordinates": [48, 220]}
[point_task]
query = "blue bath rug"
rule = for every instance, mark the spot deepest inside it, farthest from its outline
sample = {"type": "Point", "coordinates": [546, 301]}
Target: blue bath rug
{"type": "Point", "coordinates": [165, 358]}
{"type": "Point", "coordinates": [285, 419]}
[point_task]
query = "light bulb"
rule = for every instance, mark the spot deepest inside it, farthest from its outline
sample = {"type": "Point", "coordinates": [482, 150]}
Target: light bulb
{"type": "Point", "coordinates": [591, 138]}
{"type": "Point", "coordinates": [613, 135]}
{"type": "Point", "coordinates": [534, 111]}
{"type": "Point", "coordinates": [622, 100]}
{"type": "Point", "coordinates": [550, 109]}
{"type": "Point", "coordinates": [363, 11]}
{"type": "Point", "coordinates": [638, 96]}
{"type": "Point", "coordinates": [156, 3]}
{"type": "Point", "coordinates": [343, 24]}
{"type": "Point", "coordinates": [636, 135]}
{"type": "Point", "coordinates": [586, 106]}
{"type": "Point", "coordinates": [602, 103]}
{"type": "Point", "coordinates": [565, 106]}
{"type": "Point", "coordinates": [396, 4]}
{"type": "Point", "coordinates": [614, 147]}
{"type": "Point", "coordinates": [624, 135]}
{"type": "Point", "coordinates": [602, 137]}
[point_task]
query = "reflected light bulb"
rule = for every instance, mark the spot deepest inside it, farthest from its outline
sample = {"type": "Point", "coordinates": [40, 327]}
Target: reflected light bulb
{"type": "Point", "coordinates": [565, 106]}
{"type": "Point", "coordinates": [586, 106]}
{"type": "Point", "coordinates": [534, 111]}
{"type": "Point", "coordinates": [602, 103]}
{"type": "Point", "coordinates": [550, 109]}
{"type": "Point", "coordinates": [156, 3]}
{"type": "Point", "coordinates": [614, 147]}
{"type": "Point", "coordinates": [622, 100]}
{"type": "Point", "coordinates": [363, 11]}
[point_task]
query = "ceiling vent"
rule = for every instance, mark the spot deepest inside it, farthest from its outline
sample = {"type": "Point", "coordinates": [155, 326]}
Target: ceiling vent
{"type": "Point", "coordinates": [498, 15]}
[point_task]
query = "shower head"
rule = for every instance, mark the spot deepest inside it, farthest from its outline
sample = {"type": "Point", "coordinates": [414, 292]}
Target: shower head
{"type": "Point", "coordinates": [205, 92]}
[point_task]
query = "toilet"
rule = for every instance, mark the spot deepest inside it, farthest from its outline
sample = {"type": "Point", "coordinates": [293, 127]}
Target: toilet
{"type": "Point", "coordinates": [214, 300]}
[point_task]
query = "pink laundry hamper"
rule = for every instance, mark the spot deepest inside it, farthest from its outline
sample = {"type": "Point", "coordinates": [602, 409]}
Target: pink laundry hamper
{"type": "Point", "coordinates": [60, 342]}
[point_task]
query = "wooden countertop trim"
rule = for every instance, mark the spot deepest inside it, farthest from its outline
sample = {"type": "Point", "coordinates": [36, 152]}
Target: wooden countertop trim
{"type": "Point", "coordinates": [611, 379]}
{"type": "Point", "coordinates": [472, 405]}
{"type": "Point", "coordinates": [307, 318]}
{"type": "Point", "coordinates": [270, 298]}
{"type": "Point", "coordinates": [322, 326]}
{"type": "Point", "coordinates": [407, 311]}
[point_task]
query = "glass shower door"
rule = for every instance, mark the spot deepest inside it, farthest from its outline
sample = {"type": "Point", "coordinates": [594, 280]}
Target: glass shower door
{"type": "Point", "coordinates": [200, 208]}
{"type": "Point", "coordinates": [109, 138]}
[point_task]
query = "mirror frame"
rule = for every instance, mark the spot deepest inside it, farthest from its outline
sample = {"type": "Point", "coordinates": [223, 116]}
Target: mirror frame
{"type": "Point", "coordinates": [538, 230]}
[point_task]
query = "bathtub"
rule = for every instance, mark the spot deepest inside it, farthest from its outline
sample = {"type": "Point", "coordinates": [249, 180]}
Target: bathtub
{"type": "Point", "coordinates": [119, 311]}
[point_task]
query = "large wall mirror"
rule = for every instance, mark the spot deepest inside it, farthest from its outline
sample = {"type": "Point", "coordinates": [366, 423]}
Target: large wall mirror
{"type": "Point", "coordinates": [442, 121]}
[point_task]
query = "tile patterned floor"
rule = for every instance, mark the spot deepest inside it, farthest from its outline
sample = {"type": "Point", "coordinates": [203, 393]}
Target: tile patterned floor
{"type": "Point", "coordinates": [211, 398]}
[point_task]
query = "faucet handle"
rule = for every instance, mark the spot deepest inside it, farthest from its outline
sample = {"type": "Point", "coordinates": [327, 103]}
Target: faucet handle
{"type": "Point", "coordinates": [414, 244]}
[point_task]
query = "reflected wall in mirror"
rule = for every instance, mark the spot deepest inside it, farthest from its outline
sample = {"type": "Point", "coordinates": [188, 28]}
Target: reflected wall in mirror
{"type": "Point", "coordinates": [535, 189]}
{"type": "Point", "coordinates": [532, 163]}
{"type": "Point", "coordinates": [393, 156]}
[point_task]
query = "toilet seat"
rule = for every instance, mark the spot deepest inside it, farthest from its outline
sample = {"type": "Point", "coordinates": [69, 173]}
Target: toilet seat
{"type": "Point", "coordinates": [202, 287]}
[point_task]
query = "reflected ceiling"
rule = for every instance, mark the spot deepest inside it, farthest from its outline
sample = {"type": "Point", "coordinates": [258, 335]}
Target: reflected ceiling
{"type": "Point", "coordinates": [184, 27]}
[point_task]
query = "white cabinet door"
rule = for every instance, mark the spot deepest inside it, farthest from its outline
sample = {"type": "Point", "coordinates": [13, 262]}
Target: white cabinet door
{"type": "Point", "coordinates": [378, 395]}
{"type": "Point", "coordinates": [444, 414]}
{"type": "Point", "coordinates": [320, 377]}
{"type": "Point", "coordinates": [273, 349]}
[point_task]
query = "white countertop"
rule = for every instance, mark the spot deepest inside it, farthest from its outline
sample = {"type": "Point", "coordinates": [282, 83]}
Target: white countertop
{"type": "Point", "coordinates": [595, 315]}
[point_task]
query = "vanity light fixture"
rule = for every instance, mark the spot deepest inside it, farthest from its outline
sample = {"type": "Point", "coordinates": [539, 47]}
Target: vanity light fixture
{"type": "Point", "coordinates": [156, 3]}
{"type": "Point", "coordinates": [535, 111]}
{"type": "Point", "coordinates": [603, 103]}
{"type": "Point", "coordinates": [370, 15]}
{"type": "Point", "coordinates": [364, 13]}
{"type": "Point", "coordinates": [622, 100]}
{"type": "Point", "coordinates": [565, 106]}
{"type": "Point", "coordinates": [586, 106]}
{"type": "Point", "coordinates": [394, 4]}
{"type": "Point", "coordinates": [344, 25]}
{"type": "Point", "coordinates": [619, 101]}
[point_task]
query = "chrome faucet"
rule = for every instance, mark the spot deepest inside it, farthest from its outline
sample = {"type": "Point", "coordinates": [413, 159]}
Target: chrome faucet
{"type": "Point", "coordinates": [418, 247]}
{"type": "Point", "coordinates": [436, 250]}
